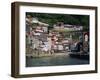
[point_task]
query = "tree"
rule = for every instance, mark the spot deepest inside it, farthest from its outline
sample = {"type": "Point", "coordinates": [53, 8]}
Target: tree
{"type": "Point", "coordinates": [51, 19]}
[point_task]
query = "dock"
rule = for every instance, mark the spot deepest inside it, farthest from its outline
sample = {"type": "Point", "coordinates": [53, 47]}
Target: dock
{"type": "Point", "coordinates": [46, 55]}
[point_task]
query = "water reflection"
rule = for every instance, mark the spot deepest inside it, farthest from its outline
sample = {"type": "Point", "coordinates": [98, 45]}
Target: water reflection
{"type": "Point", "coordinates": [54, 61]}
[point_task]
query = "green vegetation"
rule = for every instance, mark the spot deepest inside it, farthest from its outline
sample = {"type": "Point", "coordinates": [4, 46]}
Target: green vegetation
{"type": "Point", "coordinates": [51, 19]}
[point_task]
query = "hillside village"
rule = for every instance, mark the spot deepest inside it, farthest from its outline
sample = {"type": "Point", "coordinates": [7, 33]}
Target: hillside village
{"type": "Point", "coordinates": [58, 39]}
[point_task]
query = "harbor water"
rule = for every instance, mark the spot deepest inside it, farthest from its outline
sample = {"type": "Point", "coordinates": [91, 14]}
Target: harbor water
{"type": "Point", "coordinates": [54, 61]}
